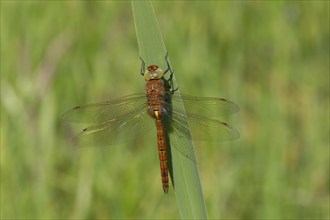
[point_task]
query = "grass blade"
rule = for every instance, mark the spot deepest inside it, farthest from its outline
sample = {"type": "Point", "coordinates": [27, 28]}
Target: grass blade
{"type": "Point", "coordinates": [184, 171]}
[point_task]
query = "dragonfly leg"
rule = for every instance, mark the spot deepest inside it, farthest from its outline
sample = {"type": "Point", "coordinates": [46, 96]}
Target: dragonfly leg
{"type": "Point", "coordinates": [173, 90]}
{"type": "Point", "coordinates": [143, 66]}
{"type": "Point", "coordinates": [169, 68]}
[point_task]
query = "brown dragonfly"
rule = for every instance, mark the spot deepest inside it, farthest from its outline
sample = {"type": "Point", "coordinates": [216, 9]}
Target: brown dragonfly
{"type": "Point", "coordinates": [176, 115]}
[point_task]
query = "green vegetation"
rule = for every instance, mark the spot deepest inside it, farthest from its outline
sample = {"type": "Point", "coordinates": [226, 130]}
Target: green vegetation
{"type": "Point", "coordinates": [183, 170]}
{"type": "Point", "coordinates": [271, 58]}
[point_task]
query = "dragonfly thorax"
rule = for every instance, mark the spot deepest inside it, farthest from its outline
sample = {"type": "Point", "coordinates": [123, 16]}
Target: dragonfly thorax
{"type": "Point", "coordinates": [153, 72]}
{"type": "Point", "coordinates": [155, 92]}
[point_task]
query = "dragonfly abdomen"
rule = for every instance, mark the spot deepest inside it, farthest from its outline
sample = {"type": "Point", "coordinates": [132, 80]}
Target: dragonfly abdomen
{"type": "Point", "coordinates": [155, 91]}
{"type": "Point", "coordinates": [161, 141]}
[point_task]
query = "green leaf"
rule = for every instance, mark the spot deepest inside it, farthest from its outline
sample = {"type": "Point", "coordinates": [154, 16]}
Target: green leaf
{"type": "Point", "coordinates": [183, 170]}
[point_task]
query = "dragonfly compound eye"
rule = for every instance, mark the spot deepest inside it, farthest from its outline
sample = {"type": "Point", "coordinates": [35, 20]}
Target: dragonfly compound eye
{"type": "Point", "coordinates": [152, 68]}
{"type": "Point", "coordinates": [153, 72]}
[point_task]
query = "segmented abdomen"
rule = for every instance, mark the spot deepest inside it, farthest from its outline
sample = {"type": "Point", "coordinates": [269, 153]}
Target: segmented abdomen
{"type": "Point", "coordinates": [162, 154]}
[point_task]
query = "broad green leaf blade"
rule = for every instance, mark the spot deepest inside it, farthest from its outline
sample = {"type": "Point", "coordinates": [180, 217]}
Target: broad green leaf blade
{"type": "Point", "coordinates": [184, 173]}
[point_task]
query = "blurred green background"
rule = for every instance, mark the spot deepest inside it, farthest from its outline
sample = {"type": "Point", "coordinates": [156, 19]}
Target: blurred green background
{"type": "Point", "coordinates": [272, 58]}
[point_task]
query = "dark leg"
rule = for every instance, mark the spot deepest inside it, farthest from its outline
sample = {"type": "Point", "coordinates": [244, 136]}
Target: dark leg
{"type": "Point", "coordinates": [168, 67]}
{"type": "Point", "coordinates": [143, 66]}
{"type": "Point", "coordinates": [173, 90]}
{"type": "Point", "coordinates": [171, 74]}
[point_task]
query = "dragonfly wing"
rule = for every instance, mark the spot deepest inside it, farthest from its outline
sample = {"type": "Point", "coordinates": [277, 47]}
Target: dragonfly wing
{"type": "Point", "coordinates": [118, 130]}
{"type": "Point", "coordinates": [103, 111]}
{"type": "Point", "coordinates": [201, 128]}
{"type": "Point", "coordinates": [185, 127]}
{"type": "Point", "coordinates": [206, 106]}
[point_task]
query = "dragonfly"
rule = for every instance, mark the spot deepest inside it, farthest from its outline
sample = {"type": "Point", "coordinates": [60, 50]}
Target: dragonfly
{"type": "Point", "coordinates": [178, 116]}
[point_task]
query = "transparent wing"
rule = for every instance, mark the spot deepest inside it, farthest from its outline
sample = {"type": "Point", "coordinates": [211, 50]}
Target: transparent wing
{"type": "Point", "coordinates": [118, 130]}
{"type": "Point", "coordinates": [125, 119]}
{"type": "Point", "coordinates": [184, 127]}
{"type": "Point", "coordinates": [103, 111]}
{"type": "Point", "coordinates": [201, 128]}
{"type": "Point", "coordinates": [206, 106]}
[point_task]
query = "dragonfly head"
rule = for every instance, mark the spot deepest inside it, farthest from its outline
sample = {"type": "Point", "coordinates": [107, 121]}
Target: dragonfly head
{"type": "Point", "coordinates": [153, 72]}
